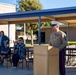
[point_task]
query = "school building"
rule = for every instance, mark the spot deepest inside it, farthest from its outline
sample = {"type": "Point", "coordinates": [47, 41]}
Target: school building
{"type": "Point", "coordinates": [8, 8]}
{"type": "Point", "coordinates": [70, 32]}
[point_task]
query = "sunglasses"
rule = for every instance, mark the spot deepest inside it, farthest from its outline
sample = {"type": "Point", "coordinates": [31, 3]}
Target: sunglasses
{"type": "Point", "coordinates": [19, 40]}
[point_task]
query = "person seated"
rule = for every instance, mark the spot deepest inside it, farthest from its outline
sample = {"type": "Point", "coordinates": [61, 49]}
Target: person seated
{"type": "Point", "coordinates": [19, 53]}
{"type": "Point", "coordinates": [4, 53]}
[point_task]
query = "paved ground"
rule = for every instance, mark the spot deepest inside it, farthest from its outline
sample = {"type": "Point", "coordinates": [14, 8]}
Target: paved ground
{"type": "Point", "coordinates": [70, 70]}
{"type": "Point", "coordinates": [19, 71]}
{"type": "Point", "coordinates": [5, 71]}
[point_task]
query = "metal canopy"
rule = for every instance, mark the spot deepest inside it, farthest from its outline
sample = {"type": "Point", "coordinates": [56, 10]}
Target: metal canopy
{"type": "Point", "coordinates": [64, 15]}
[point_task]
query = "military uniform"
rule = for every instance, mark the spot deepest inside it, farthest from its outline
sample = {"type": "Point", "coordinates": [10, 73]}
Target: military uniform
{"type": "Point", "coordinates": [58, 40]}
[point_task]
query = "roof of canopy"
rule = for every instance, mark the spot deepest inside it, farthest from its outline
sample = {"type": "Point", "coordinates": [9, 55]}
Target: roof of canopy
{"type": "Point", "coordinates": [65, 15]}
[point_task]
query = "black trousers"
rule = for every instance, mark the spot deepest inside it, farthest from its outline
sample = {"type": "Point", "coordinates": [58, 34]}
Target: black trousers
{"type": "Point", "coordinates": [15, 59]}
{"type": "Point", "coordinates": [62, 62]}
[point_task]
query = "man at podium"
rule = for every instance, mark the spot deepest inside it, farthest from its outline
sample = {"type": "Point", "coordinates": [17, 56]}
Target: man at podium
{"type": "Point", "coordinates": [58, 40]}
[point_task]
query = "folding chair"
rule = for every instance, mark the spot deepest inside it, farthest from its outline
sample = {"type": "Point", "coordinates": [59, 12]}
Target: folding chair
{"type": "Point", "coordinates": [22, 60]}
{"type": "Point", "coordinates": [29, 60]}
{"type": "Point", "coordinates": [8, 59]}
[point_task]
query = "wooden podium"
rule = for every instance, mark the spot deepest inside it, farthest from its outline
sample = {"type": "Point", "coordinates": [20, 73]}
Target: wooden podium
{"type": "Point", "coordinates": [46, 60]}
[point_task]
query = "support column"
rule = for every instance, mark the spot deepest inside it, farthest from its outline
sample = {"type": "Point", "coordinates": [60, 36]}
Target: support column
{"type": "Point", "coordinates": [68, 34]}
{"type": "Point", "coordinates": [39, 31]}
{"type": "Point", "coordinates": [24, 33]}
{"type": "Point", "coordinates": [9, 32]}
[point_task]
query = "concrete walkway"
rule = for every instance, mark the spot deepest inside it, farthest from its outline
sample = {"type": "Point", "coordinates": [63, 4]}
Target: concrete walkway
{"type": "Point", "coordinates": [19, 71]}
{"type": "Point", "coordinates": [71, 70]}
{"type": "Point", "coordinates": [8, 71]}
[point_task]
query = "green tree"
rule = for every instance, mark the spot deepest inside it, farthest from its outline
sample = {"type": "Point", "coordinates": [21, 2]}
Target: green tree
{"type": "Point", "coordinates": [48, 24]}
{"type": "Point", "coordinates": [29, 5]}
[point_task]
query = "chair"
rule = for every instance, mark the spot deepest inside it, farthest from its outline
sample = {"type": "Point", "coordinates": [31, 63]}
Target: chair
{"type": "Point", "coordinates": [22, 60]}
{"type": "Point", "coordinates": [8, 59]}
{"type": "Point", "coordinates": [29, 58]}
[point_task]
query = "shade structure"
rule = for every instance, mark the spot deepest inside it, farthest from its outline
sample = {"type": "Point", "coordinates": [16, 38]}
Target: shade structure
{"type": "Point", "coordinates": [65, 15]}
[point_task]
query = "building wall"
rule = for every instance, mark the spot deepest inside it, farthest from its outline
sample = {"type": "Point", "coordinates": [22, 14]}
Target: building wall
{"type": "Point", "coordinates": [7, 8]}
{"type": "Point", "coordinates": [72, 33]}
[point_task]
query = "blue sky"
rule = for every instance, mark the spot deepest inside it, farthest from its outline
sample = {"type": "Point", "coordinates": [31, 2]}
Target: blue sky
{"type": "Point", "coordinates": [48, 4]}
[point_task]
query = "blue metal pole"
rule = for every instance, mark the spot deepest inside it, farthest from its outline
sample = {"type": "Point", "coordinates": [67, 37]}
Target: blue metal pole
{"type": "Point", "coordinates": [39, 31]}
{"type": "Point", "coordinates": [68, 34]}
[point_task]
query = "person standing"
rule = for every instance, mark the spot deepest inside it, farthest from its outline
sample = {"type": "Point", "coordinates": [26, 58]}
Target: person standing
{"type": "Point", "coordinates": [58, 40]}
{"type": "Point", "coordinates": [3, 39]}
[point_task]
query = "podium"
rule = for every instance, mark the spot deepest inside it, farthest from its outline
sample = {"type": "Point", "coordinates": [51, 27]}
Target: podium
{"type": "Point", "coordinates": [46, 60]}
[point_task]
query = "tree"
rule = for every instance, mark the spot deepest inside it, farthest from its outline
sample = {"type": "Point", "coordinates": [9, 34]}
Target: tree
{"type": "Point", "coordinates": [30, 5]}
{"type": "Point", "coordinates": [48, 24]}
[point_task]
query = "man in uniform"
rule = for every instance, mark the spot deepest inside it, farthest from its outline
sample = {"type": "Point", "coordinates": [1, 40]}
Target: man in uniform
{"type": "Point", "coordinates": [58, 40]}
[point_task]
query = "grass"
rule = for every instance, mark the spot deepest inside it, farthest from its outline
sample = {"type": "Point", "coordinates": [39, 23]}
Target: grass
{"type": "Point", "coordinates": [72, 42]}
{"type": "Point", "coordinates": [69, 42]}
{"type": "Point", "coordinates": [29, 45]}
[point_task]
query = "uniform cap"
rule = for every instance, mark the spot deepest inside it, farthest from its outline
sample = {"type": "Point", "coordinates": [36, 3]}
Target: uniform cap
{"type": "Point", "coordinates": [54, 23]}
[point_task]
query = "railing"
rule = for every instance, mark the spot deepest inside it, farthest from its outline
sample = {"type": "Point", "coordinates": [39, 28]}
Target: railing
{"type": "Point", "coordinates": [29, 54]}
{"type": "Point", "coordinates": [70, 56]}
{"type": "Point", "coordinates": [28, 51]}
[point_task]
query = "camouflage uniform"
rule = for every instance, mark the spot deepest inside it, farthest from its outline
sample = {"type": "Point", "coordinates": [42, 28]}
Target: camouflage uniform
{"type": "Point", "coordinates": [58, 40]}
